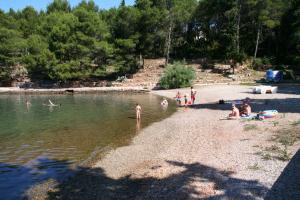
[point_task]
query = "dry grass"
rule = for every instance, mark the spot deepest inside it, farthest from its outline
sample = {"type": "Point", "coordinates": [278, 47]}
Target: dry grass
{"type": "Point", "coordinates": [275, 153]}
{"type": "Point", "coordinates": [296, 123]}
{"type": "Point", "coordinates": [249, 127]}
{"type": "Point", "coordinates": [282, 140]}
{"type": "Point", "coordinates": [287, 137]}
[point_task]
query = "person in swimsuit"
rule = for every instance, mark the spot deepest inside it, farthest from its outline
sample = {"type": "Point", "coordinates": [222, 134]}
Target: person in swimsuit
{"type": "Point", "coordinates": [185, 99]}
{"type": "Point", "coordinates": [193, 95]}
{"type": "Point", "coordinates": [138, 110]}
{"type": "Point", "coordinates": [28, 104]}
{"type": "Point", "coordinates": [164, 102]}
{"type": "Point", "coordinates": [245, 109]}
{"type": "Point", "coordinates": [235, 113]}
{"type": "Point", "coordinates": [178, 98]}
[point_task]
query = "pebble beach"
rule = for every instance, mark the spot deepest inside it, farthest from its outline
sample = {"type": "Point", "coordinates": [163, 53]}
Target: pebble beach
{"type": "Point", "coordinates": [195, 154]}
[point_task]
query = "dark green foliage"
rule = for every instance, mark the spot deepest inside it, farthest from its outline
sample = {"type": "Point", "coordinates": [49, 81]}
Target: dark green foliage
{"type": "Point", "coordinates": [39, 59]}
{"type": "Point", "coordinates": [82, 42]}
{"type": "Point", "coordinates": [123, 3]}
{"type": "Point", "coordinates": [59, 6]}
{"type": "Point", "coordinates": [12, 47]}
{"type": "Point", "coordinates": [290, 35]}
{"type": "Point", "coordinates": [177, 75]}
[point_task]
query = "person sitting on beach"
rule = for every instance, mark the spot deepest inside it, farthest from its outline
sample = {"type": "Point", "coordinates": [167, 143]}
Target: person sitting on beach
{"type": "Point", "coordinates": [235, 113]}
{"type": "Point", "coordinates": [178, 98]}
{"type": "Point", "coordinates": [138, 110]}
{"type": "Point", "coordinates": [164, 102]}
{"type": "Point", "coordinates": [245, 109]}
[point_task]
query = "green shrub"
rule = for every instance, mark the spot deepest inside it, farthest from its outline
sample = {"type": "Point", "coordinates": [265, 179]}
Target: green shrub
{"type": "Point", "coordinates": [263, 63]}
{"type": "Point", "coordinates": [177, 75]}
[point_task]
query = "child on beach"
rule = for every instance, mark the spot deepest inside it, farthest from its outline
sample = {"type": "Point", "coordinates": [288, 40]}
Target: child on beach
{"type": "Point", "coordinates": [193, 95]}
{"type": "Point", "coordinates": [178, 98]}
{"type": "Point", "coordinates": [185, 99]}
{"type": "Point", "coordinates": [138, 110]}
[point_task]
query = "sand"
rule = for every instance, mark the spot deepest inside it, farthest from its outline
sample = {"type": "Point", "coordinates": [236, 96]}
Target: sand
{"type": "Point", "coordinates": [196, 153]}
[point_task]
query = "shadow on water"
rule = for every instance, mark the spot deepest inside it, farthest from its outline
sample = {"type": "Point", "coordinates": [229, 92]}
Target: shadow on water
{"type": "Point", "coordinates": [287, 105]}
{"type": "Point", "coordinates": [95, 184]}
{"type": "Point", "coordinates": [15, 180]}
{"type": "Point", "coordinates": [287, 186]}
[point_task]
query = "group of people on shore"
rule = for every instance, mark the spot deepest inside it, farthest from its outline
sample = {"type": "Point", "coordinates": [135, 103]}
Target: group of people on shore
{"type": "Point", "coordinates": [242, 111]}
{"type": "Point", "coordinates": [185, 98]}
{"type": "Point", "coordinates": [164, 103]}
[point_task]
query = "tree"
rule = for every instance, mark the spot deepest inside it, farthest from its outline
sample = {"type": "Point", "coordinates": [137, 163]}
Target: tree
{"type": "Point", "coordinates": [12, 47]}
{"type": "Point", "coordinates": [266, 15]}
{"type": "Point", "coordinates": [216, 27]}
{"type": "Point", "coordinates": [151, 28]}
{"type": "Point", "coordinates": [125, 38]}
{"type": "Point", "coordinates": [12, 50]}
{"type": "Point", "coordinates": [93, 34]}
{"type": "Point", "coordinates": [66, 43]}
{"type": "Point", "coordinates": [59, 6]}
{"type": "Point", "coordinates": [88, 5]}
{"type": "Point", "coordinates": [181, 27]}
{"type": "Point", "coordinates": [290, 34]}
{"type": "Point", "coordinates": [122, 3]}
{"type": "Point", "coordinates": [39, 60]}
{"type": "Point", "coordinates": [29, 20]}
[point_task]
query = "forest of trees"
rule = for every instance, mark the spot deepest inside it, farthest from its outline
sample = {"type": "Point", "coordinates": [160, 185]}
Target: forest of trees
{"type": "Point", "coordinates": [70, 43]}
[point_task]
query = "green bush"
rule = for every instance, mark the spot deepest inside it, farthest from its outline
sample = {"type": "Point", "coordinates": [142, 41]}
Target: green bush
{"type": "Point", "coordinates": [177, 76]}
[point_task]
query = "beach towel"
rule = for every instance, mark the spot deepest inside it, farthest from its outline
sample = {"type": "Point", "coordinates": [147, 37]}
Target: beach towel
{"type": "Point", "coordinates": [268, 114]}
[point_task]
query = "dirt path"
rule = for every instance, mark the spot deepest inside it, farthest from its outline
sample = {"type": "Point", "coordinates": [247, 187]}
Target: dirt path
{"type": "Point", "coordinates": [195, 154]}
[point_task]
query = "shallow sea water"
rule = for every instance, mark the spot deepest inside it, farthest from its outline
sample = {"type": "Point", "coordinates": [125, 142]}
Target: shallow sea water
{"type": "Point", "coordinates": [39, 142]}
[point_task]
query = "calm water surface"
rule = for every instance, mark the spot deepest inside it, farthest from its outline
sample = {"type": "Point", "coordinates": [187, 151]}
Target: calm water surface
{"type": "Point", "coordinates": [38, 142]}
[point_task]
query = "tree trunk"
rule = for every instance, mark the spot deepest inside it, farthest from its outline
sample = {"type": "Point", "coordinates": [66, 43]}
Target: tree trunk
{"type": "Point", "coordinates": [168, 44]}
{"type": "Point", "coordinates": [238, 28]}
{"type": "Point", "coordinates": [257, 41]}
{"type": "Point", "coordinates": [141, 61]}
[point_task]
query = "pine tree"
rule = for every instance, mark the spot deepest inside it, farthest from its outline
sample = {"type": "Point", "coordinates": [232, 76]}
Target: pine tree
{"type": "Point", "coordinates": [122, 3]}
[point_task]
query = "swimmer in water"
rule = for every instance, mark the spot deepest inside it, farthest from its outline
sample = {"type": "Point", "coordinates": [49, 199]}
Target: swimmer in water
{"type": "Point", "coordinates": [138, 110]}
{"type": "Point", "coordinates": [164, 102]}
{"type": "Point", "coordinates": [51, 104]}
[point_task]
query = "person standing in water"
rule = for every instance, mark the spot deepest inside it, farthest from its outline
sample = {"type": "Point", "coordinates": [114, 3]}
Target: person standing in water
{"type": "Point", "coordinates": [138, 110]}
{"type": "Point", "coordinates": [28, 104]}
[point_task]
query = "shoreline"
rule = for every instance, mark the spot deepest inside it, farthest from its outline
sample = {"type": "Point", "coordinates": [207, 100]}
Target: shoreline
{"type": "Point", "coordinates": [191, 154]}
{"type": "Point", "coordinates": [79, 90]}
{"type": "Point", "coordinates": [17, 90]}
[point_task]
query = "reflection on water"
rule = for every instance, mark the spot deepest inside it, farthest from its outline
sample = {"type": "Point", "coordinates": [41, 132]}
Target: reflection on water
{"type": "Point", "coordinates": [39, 141]}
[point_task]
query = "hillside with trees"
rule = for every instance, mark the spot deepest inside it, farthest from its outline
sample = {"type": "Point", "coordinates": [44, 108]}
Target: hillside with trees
{"type": "Point", "coordinates": [86, 42]}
